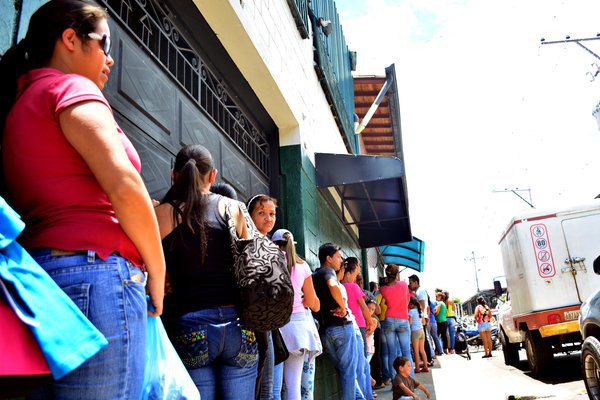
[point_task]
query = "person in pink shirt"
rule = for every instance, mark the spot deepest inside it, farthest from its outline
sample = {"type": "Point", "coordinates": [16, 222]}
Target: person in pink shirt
{"type": "Point", "coordinates": [361, 313]}
{"type": "Point", "coordinates": [356, 296]}
{"type": "Point", "coordinates": [396, 326]}
{"type": "Point", "coordinates": [300, 335]}
{"type": "Point", "coordinates": [74, 177]}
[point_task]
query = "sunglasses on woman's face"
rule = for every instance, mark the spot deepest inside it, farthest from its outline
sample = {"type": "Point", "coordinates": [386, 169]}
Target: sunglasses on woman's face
{"type": "Point", "coordinates": [104, 40]}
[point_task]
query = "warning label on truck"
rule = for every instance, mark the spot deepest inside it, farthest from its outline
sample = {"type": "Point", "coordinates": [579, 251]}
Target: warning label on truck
{"type": "Point", "coordinates": [543, 252]}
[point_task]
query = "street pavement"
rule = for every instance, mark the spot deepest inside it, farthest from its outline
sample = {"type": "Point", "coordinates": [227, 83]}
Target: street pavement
{"type": "Point", "coordinates": [454, 377]}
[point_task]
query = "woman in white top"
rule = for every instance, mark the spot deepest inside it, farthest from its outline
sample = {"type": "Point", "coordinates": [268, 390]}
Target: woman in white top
{"type": "Point", "coordinates": [300, 334]}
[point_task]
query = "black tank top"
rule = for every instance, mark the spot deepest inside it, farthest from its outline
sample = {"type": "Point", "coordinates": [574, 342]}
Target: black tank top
{"type": "Point", "coordinates": [198, 285]}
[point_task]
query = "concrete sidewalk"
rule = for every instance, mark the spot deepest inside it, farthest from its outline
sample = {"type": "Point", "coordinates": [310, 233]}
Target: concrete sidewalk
{"type": "Point", "coordinates": [424, 378]}
{"type": "Point", "coordinates": [454, 377]}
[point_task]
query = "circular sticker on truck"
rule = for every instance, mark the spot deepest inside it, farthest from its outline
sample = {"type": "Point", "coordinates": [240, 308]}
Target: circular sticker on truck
{"type": "Point", "coordinates": [543, 252]}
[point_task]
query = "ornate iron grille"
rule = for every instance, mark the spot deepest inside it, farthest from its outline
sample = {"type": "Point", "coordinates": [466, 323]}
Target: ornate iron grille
{"type": "Point", "coordinates": [150, 23]}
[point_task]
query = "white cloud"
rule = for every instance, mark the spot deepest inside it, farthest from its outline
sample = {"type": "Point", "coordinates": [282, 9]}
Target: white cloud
{"type": "Point", "coordinates": [484, 107]}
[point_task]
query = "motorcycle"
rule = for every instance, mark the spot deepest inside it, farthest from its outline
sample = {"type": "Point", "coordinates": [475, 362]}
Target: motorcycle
{"type": "Point", "coordinates": [472, 334]}
{"type": "Point", "coordinates": [461, 345]}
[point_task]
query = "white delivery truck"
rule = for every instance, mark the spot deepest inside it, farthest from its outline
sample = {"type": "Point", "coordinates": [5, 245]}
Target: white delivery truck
{"type": "Point", "coordinates": [547, 259]}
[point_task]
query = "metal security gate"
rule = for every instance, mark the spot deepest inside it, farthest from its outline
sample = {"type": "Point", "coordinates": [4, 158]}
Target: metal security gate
{"type": "Point", "coordinates": [165, 95]}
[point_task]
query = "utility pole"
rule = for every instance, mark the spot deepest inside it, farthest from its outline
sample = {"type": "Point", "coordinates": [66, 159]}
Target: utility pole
{"type": "Point", "coordinates": [594, 74]}
{"type": "Point", "coordinates": [514, 191]}
{"type": "Point", "coordinates": [474, 259]}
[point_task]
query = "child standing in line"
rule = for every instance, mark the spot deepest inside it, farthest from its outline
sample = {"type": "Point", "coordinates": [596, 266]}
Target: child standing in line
{"type": "Point", "coordinates": [404, 385]}
{"type": "Point", "coordinates": [417, 334]}
{"type": "Point", "coordinates": [372, 306]}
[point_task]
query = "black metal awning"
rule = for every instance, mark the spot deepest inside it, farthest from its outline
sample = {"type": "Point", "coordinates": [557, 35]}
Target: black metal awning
{"type": "Point", "coordinates": [373, 195]}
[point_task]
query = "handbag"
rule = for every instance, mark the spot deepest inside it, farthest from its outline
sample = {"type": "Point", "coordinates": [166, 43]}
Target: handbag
{"type": "Point", "coordinates": [261, 274]}
{"type": "Point", "coordinates": [280, 350]}
{"type": "Point", "coordinates": [22, 364]}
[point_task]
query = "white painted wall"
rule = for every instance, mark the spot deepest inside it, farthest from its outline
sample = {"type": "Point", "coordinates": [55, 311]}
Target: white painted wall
{"type": "Point", "coordinates": [262, 39]}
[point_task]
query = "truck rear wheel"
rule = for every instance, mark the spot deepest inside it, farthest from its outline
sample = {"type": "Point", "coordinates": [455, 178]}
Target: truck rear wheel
{"type": "Point", "coordinates": [539, 353]}
{"type": "Point", "coordinates": [510, 350]}
{"type": "Point", "coordinates": [590, 366]}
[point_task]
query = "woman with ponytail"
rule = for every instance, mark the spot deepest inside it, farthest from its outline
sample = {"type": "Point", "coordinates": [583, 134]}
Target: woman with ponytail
{"type": "Point", "coordinates": [75, 179]}
{"type": "Point", "coordinates": [300, 334]}
{"type": "Point", "coordinates": [396, 327]}
{"type": "Point", "coordinates": [219, 352]}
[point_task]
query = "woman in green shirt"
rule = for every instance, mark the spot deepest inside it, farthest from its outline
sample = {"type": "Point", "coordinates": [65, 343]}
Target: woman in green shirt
{"type": "Point", "coordinates": [451, 319]}
{"type": "Point", "coordinates": [441, 318]}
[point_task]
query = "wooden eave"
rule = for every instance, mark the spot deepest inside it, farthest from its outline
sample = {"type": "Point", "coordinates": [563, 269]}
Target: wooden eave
{"type": "Point", "coordinates": [378, 137]}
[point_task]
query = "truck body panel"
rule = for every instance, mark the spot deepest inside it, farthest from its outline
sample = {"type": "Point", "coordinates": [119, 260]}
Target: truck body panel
{"type": "Point", "coordinates": [547, 259]}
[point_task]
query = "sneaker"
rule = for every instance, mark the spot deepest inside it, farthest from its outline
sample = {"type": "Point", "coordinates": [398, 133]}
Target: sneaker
{"type": "Point", "coordinates": [425, 369]}
{"type": "Point", "coordinates": [417, 370]}
{"type": "Point", "coordinates": [451, 351]}
{"type": "Point", "coordinates": [431, 364]}
{"type": "Point", "coordinates": [387, 382]}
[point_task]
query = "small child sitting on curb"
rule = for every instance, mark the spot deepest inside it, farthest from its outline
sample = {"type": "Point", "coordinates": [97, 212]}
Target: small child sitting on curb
{"type": "Point", "coordinates": [404, 385]}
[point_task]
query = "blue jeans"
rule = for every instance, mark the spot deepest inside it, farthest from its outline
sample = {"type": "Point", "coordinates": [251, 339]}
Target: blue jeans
{"type": "Point", "coordinates": [384, 357]}
{"type": "Point", "coordinates": [277, 381]}
{"type": "Point", "coordinates": [397, 335]}
{"type": "Point", "coordinates": [436, 339]}
{"type": "Point", "coordinates": [363, 369]}
{"type": "Point", "coordinates": [452, 331]}
{"type": "Point", "coordinates": [220, 354]}
{"type": "Point", "coordinates": [340, 344]}
{"type": "Point", "coordinates": [112, 296]}
{"type": "Point", "coordinates": [267, 376]}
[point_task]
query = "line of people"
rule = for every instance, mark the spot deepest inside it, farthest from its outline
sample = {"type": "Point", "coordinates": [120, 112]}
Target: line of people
{"type": "Point", "coordinates": [74, 177]}
{"type": "Point", "coordinates": [411, 325]}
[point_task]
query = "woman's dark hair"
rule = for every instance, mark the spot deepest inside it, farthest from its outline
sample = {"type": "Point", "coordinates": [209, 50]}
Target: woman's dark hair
{"type": "Point", "coordinates": [481, 301]}
{"type": "Point", "coordinates": [192, 163]}
{"type": "Point", "coordinates": [415, 302]}
{"type": "Point", "coordinates": [391, 273]}
{"type": "Point", "coordinates": [360, 281]}
{"type": "Point", "coordinates": [224, 189]}
{"type": "Point", "coordinates": [259, 199]}
{"type": "Point", "coordinates": [382, 281]}
{"type": "Point", "coordinates": [351, 264]}
{"type": "Point", "coordinates": [372, 286]}
{"type": "Point", "coordinates": [35, 50]}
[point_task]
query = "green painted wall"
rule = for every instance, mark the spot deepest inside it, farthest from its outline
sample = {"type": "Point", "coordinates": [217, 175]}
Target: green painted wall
{"type": "Point", "coordinates": [307, 214]}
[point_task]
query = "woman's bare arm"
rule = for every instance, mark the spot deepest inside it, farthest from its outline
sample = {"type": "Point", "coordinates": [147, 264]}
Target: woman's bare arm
{"type": "Point", "coordinates": [310, 299]}
{"type": "Point", "coordinates": [90, 129]}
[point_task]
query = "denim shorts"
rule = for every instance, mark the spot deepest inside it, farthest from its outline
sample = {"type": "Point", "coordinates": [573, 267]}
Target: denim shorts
{"type": "Point", "coordinates": [111, 294]}
{"type": "Point", "coordinates": [484, 326]}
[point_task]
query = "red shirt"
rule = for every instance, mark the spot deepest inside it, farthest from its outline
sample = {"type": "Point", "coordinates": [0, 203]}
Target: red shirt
{"type": "Point", "coordinates": [355, 293]}
{"type": "Point", "coordinates": [396, 297]}
{"type": "Point", "coordinates": [49, 183]}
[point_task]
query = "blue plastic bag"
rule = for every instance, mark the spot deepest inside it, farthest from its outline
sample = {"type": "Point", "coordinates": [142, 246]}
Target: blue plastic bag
{"type": "Point", "coordinates": [165, 377]}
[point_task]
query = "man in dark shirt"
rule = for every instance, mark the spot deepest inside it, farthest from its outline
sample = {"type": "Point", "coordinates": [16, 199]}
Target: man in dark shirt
{"type": "Point", "coordinates": [337, 329]}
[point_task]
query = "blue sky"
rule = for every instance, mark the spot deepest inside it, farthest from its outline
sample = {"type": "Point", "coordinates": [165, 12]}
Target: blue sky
{"type": "Point", "coordinates": [484, 107]}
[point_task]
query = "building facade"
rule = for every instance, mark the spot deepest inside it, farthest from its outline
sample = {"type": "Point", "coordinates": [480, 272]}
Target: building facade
{"type": "Point", "coordinates": [266, 86]}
